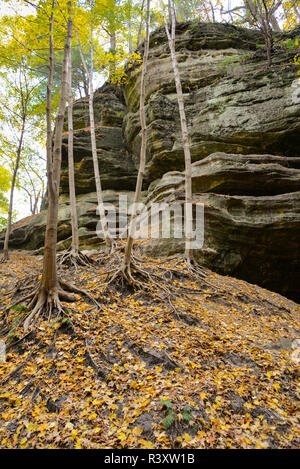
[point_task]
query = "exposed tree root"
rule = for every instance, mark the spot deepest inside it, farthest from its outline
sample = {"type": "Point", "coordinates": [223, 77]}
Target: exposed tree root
{"type": "Point", "coordinates": [132, 274]}
{"type": "Point", "coordinates": [22, 300]}
{"type": "Point", "coordinates": [134, 277]}
{"type": "Point", "coordinates": [72, 289]}
{"type": "Point", "coordinates": [46, 303]}
{"type": "Point", "coordinates": [4, 259]}
{"type": "Point", "coordinates": [43, 303]}
{"type": "Point", "coordinates": [193, 268]}
{"type": "Point", "coordinates": [74, 260]}
{"type": "Point", "coordinates": [146, 277]}
{"type": "Point", "coordinates": [109, 252]}
{"type": "Point", "coordinates": [24, 284]}
{"type": "Point", "coordinates": [195, 271]}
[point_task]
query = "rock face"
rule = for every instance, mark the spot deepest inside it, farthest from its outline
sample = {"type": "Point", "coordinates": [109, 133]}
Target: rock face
{"type": "Point", "coordinates": [251, 217]}
{"type": "Point", "coordinates": [240, 114]}
{"type": "Point", "coordinates": [115, 161]}
{"type": "Point", "coordinates": [233, 103]}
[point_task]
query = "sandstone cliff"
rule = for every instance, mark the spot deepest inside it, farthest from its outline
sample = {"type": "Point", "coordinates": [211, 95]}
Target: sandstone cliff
{"type": "Point", "coordinates": [244, 123]}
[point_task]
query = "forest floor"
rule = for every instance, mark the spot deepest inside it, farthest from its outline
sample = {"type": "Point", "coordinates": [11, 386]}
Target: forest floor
{"type": "Point", "coordinates": [216, 368]}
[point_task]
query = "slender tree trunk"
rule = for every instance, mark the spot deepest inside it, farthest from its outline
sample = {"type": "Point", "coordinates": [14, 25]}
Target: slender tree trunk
{"type": "Point", "coordinates": [49, 283]}
{"type": "Point", "coordinates": [113, 46]}
{"type": "Point", "coordinates": [103, 219]}
{"type": "Point", "coordinates": [170, 12]}
{"type": "Point", "coordinates": [267, 30]}
{"type": "Point", "coordinates": [85, 85]}
{"type": "Point", "coordinates": [130, 48]}
{"type": "Point", "coordinates": [73, 208]}
{"type": "Point", "coordinates": [51, 290]}
{"type": "Point", "coordinates": [35, 205]}
{"type": "Point", "coordinates": [141, 25]}
{"type": "Point", "coordinates": [139, 184]}
{"type": "Point", "coordinates": [13, 184]}
{"type": "Point", "coordinates": [31, 205]}
{"type": "Point", "coordinates": [130, 37]}
{"type": "Point", "coordinates": [260, 13]}
{"type": "Point", "coordinates": [185, 135]}
{"type": "Point", "coordinates": [212, 12]}
{"type": "Point", "coordinates": [269, 44]}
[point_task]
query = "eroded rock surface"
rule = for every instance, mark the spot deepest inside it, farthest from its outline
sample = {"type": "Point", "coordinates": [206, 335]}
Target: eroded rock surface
{"type": "Point", "coordinates": [233, 102]}
{"type": "Point", "coordinates": [251, 217]}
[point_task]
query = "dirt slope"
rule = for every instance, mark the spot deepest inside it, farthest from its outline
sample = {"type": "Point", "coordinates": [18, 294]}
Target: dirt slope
{"type": "Point", "coordinates": [213, 369]}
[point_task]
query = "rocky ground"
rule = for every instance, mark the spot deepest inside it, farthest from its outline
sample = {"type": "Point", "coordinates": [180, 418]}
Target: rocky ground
{"type": "Point", "coordinates": [213, 367]}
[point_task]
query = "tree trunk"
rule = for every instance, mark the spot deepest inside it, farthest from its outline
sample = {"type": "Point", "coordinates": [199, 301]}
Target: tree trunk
{"type": "Point", "coordinates": [261, 15]}
{"type": "Point", "coordinates": [50, 291]}
{"type": "Point", "coordinates": [74, 218]}
{"type": "Point", "coordinates": [130, 48]}
{"type": "Point", "coordinates": [139, 184]}
{"type": "Point", "coordinates": [35, 205]}
{"type": "Point", "coordinates": [130, 37]}
{"type": "Point", "coordinates": [113, 45]}
{"type": "Point", "coordinates": [170, 12]}
{"type": "Point", "coordinates": [185, 135]}
{"type": "Point", "coordinates": [49, 283]}
{"type": "Point", "coordinates": [103, 219]}
{"type": "Point", "coordinates": [267, 30]}
{"type": "Point", "coordinates": [13, 184]}
{"type": "Point", "coordinates": [141, 24]}
{"type": "Point", "coordinates": [104, 224]}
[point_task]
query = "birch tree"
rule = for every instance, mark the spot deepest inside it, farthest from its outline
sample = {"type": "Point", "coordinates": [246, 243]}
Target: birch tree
{"type": "Point", "coordinates": [103, 219]}
{"type": "Point", "coordinates": [73, 257]}
{"type": "Point", "coordinates": [74, 218]}
{"type": "Point", "coordinates": [188, 254]}
{"type": "Point", "coordinates": [127, 263]}
{"type": "Point", "coordinates": [184, 130]}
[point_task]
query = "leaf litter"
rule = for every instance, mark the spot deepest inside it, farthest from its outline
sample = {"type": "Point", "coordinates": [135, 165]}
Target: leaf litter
{"type": "Point", "coordinates": [213, 369]}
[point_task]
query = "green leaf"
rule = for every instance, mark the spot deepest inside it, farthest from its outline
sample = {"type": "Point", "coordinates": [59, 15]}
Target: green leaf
{"type": "Point", "coordinates": [167, 404]}
{"type": "Point", "coordinates": [186, 414]}
{"type": "Point", "coordinates": [19, 308]}
{"type": "Point", "coordinates": [168, 420]}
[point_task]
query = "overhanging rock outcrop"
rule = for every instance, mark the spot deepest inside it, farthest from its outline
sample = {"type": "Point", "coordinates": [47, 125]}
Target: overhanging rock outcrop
{"type": "Point", "coordinates": [251, 217]}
